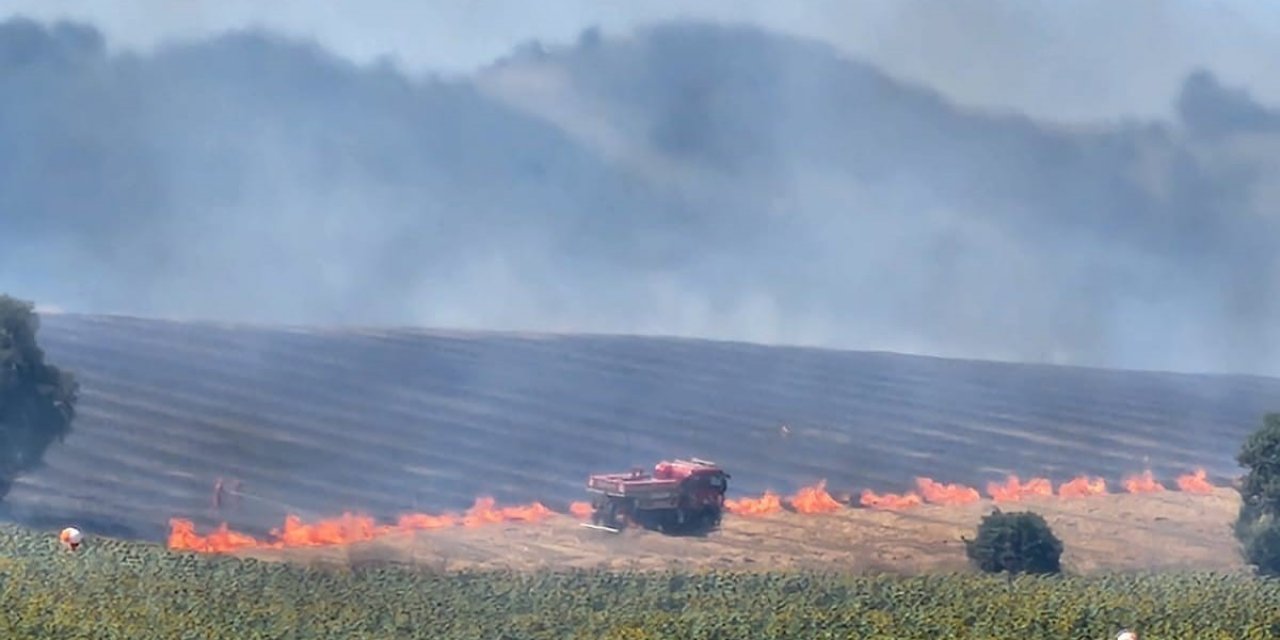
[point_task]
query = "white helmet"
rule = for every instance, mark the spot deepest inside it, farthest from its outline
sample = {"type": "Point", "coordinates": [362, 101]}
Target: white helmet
{"type": "Point", "coordinates": [71, 537]}
{"type": "Point", "coordinates": [1127, 635]}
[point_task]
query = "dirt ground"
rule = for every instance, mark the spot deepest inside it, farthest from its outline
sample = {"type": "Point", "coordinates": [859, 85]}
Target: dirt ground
{"type": "Point", "coordinates": [1166, 531]}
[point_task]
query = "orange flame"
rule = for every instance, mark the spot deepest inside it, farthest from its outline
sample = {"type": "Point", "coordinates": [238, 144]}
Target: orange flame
{"type": "Point", "coordinates": [1013, 490]}
{"type": "Point", "coordinates": [182, 535]}
{"type": "Point", "coordinates": [889, 500]}
{"type": "Point", "coordinates": [766, 504]}
{"type": "Point", "coordinates": [1082, 486]}
{"type": "Point", "coordinates": [347, 528]}
{"type": "Point", "coordinates": [581, 510]}
{"type": "Point", "coordinates": [815, 499]}
{"type": "Point", "coordinates": [1143, 483]}
{"type": "Point", "coordinates": [344, 529]}
{"type": "Point", "coordinates": [426, 521]}
{"type": "Point", "coordinates": [483, 513]}
{"type": "Point", "coordinates": [938, 493]}
{"type": "Point", "coordinates": [1194, 482]}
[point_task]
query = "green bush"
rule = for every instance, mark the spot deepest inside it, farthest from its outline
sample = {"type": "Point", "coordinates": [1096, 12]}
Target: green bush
{"type": "Point", "coordinates": [37, 399]}
{"type": "Point", "coordinates": [1262, 548]}
{"type": "Point", "coordinates": [1019, 542]}
{"type": "Point", "coordinates": [114, 589]}
{"type": "Point", "coordinates": [1256, 525]}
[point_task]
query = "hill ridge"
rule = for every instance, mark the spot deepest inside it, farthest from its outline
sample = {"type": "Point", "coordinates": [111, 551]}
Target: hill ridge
{"type": "Point", "coordinates": [410, 330]}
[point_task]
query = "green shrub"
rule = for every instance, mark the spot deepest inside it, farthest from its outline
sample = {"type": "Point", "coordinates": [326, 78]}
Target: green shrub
{"type": "Point", "coordinates": [1019, 542]}
{"type": "Point", "coordinates": [37, 399]}
{"type": "Point", "coordinates": [1256, 525]}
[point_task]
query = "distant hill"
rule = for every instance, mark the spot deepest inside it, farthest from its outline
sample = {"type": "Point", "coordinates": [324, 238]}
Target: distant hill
{"type": "Point", "coordinates": [320, 421]}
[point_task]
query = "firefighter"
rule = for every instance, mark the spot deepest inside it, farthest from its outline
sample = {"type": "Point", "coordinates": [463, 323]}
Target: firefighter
{"type": "Point", "coordinates": [217, 493]}
{"type": "Point", "coordinates": [221, 490]}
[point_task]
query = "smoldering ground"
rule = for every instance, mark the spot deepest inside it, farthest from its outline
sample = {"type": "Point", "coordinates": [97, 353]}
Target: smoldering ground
{"type": "Point", "coordinates": [690, 179]}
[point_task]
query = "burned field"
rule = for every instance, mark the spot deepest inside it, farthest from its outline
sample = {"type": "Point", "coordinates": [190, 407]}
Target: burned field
{"type": "Point", "coordinates": [303, 426]}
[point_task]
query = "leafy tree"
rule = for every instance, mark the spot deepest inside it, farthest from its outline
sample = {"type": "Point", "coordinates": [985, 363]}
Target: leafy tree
{"type": "Point", "coordinates": [1256, 526]}
{"type": "Point", "coordinates": [37, 400]}
{"type": "Point", "coordinates": [1261, 546]}
{"type": "Point", "coordinates": [1019, 542]}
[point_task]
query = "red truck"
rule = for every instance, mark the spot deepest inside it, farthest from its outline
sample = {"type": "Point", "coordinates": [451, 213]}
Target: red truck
{"type": "Point", "coordinates": [680, 496]}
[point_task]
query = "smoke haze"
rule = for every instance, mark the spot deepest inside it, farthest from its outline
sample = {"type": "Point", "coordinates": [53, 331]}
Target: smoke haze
{"type": "Point", "coordinates": [688, 179]}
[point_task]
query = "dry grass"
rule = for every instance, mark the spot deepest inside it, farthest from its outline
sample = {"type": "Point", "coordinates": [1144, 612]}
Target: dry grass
{"type": "Point", "coordinates": [1169, 531]}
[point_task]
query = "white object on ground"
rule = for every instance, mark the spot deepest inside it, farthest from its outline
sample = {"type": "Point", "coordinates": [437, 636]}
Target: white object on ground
{"type": "Point", "coordinates": [71, 537]}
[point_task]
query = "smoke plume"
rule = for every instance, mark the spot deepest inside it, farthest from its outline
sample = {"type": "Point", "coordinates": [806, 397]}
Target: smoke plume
{"type": "Point", "coordinates": [688, 179]}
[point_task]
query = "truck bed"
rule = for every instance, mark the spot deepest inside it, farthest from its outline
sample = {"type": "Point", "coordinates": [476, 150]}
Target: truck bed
{"type": "Point", "coordinates": [624, 484]}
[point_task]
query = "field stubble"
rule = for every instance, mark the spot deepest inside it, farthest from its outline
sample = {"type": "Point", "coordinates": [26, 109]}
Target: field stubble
{"type": "Point", "coordinates": [1101, 534]}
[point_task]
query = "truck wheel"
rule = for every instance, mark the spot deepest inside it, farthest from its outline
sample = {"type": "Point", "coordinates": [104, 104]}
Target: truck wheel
{"type": "Point", "coordinates": [714, 516]}
{"type": "Point", "coordinates": [611, 516]}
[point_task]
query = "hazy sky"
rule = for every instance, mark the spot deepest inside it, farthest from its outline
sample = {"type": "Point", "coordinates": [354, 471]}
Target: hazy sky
{"type": "Point", "coordinates": [1060, 59]}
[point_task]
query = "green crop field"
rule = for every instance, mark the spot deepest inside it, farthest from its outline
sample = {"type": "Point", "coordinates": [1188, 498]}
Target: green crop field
{"type": "Point", "coordinates": [117, 589]}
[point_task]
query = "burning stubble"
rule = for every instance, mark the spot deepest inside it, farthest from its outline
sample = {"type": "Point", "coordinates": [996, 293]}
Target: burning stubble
{"type": "Point", "coordinates": [813, 500]}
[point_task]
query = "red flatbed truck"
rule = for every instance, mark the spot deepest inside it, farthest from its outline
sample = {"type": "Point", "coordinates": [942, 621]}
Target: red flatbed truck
{"type": "Point", "coordinates": [679, 496]}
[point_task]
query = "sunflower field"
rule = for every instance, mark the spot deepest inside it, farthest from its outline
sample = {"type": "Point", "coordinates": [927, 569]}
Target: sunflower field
{"type": "Point", "coordinates": [116, 589]}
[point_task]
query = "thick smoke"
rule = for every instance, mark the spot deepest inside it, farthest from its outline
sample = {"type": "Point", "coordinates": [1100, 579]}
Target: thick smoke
{"type": "Point", "coordinates": [696, 180]}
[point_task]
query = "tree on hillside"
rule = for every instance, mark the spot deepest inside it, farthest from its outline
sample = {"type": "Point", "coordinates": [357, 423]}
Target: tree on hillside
{"type": "Point", "coordinates": [37, 400]}
{"type": "Point", "coordinates": [1020, 542]}
{"type": "Point", "coordinates": [1256, 526]}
